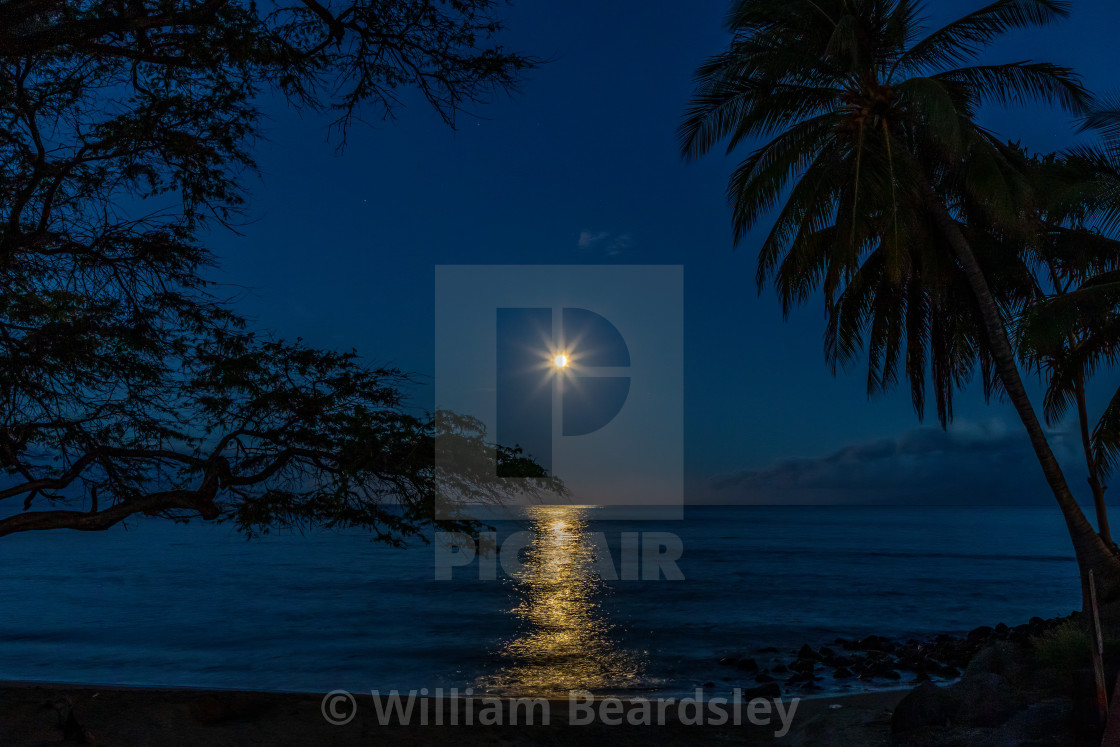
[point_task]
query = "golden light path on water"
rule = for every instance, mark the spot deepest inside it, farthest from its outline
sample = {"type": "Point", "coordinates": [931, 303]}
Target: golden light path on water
{"type": "Point", "coordinates": [565, 641]}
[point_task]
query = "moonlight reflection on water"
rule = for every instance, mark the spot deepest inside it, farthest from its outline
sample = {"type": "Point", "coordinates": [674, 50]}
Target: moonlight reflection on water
{"type": "Point", "coordinates": [564, 641]}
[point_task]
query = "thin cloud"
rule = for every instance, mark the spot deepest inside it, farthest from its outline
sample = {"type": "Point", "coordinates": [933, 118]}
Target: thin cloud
{"type": "Point", "coordinates": [607, 243]}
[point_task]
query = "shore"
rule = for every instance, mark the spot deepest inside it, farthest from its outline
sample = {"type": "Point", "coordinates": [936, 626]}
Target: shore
{"type": "Point", "coordinates": [873, 662]}
{"type": "Point", "coordinates": [1023, 684]}
{"type": "Point", "coordinates": [42, 713]}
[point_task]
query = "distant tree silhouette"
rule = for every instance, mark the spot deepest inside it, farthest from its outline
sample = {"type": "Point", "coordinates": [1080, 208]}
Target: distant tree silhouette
{"type": "Point", "coordinates": [126, 385]}
{"type": "Point", "coordinates": [884, 191]}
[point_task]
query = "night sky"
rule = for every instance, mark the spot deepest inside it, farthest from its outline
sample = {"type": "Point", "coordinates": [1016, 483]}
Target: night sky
{"type": "Point", "coordinates": [582, 166]}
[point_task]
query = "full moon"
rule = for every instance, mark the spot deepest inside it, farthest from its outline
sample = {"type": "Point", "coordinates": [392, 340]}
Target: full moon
{"type": "Point", "coordinates": [561, 360]}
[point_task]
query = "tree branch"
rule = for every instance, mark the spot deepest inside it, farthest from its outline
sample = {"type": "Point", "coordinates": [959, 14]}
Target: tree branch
{"type": "Point", "coordinates": [201, 501]}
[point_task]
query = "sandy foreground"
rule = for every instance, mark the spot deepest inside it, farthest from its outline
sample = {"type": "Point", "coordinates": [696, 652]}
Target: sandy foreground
{"type": "Point", "coordinates": [37, 714]}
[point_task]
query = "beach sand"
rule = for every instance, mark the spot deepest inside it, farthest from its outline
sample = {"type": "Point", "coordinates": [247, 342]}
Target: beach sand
{"type": "Point", "coordinates": [37, 714]}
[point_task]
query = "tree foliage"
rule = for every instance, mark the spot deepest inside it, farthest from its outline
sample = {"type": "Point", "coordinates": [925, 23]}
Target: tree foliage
{"type": "Point", "coordinates": [1071, 333]}
{"type": "Point", "coordinates": [865, 117]}
{"type": "Point", "coordinates": [126, 384]}
{"type": "Point", "coordinates": [923, 229]}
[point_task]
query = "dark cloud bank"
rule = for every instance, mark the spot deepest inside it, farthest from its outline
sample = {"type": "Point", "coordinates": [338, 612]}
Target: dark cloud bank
{"type": "Point", "coordinates": [970, 464]}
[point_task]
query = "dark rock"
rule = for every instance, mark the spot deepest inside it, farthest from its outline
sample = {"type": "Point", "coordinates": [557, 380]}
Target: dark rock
{"type": "Point", "coordinates": [876, 643]}
{"type": "Point", "coordinates": [763, 677]}
{"type": "Point", "coordinates": [801, 677]}
{"type": "Point", "coordinates": [986, 700]}
{"type": "Point", "coordinates": [747, 665]}
{"type": "Point", "coordinates": [779, 669]}
{"type": "Point", "coordinates": [803, 665]}
{"type": "Point", "coordinates": [890, 674]}
{"type": "Point", "coordinates": [926, 706]}
{"type": "Point", "coordinates": [769, 690]}
{"type": "Point", "coordinates": [1002, 630]}
{"type": "Point", "coordinates": [768, 650]}
{"type": "Point", "coordinates": [912, 663]}
{"type": "Point", "coordinates": [826, 652]}
{"type": "Point", "coordinates": [806, 652]}
{"type": "Point", "coordinates": [72, 730]}
{"type": "Point", "coordinates": [842, 673]}
{"type": "Point", "coordinates": [980, 634]}
{"type": "Point", "coordinates": [882, 668]}
{"type": "Point", "coordinates": [1004, 658]}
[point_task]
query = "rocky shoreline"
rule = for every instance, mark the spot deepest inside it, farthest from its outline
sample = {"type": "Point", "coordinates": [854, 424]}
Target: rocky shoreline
{"type": "Point", "coordinates": [1031, 684]}
{"type": "Point", "coordinates": [873, 662]}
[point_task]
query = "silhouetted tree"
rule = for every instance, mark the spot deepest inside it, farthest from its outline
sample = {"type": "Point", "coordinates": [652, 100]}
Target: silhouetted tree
{"type": "Point", "coordinates": [126, 385]}
{"type": "Point", "coordinates": [1072, 332]}
{"type": "Point", "coordinates": [885, 190]}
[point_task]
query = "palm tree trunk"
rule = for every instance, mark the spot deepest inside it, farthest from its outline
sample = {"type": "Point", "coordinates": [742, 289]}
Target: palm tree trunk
{"type": "Point", "coordinates": [1094, 474]}
{"type": "Point", "coordinates": [1091, 551]}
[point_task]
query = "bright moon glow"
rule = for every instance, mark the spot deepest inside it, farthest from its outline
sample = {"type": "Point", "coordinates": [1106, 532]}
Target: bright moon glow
{"type": "Point", "coordinates": [561, 360]}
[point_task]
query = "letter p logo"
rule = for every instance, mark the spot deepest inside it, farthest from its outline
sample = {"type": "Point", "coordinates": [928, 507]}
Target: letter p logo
{"type": "Point", "coordinates": [538, 365]}
{"type": "Point", "coordinates": [580, 366]}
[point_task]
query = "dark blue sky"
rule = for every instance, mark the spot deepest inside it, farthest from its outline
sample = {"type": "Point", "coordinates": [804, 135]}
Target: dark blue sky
{"type": "Point", "coordinates": [341, 248]}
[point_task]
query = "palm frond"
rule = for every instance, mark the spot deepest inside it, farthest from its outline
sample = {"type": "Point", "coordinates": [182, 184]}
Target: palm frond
{"type": "Point", "coordinates": [939, 111]}
{"type": "Point", "coordinates": [849, 315]}
{"type": "Point", "coordinates": [1101, 198]}
{"type": "Point", "coordinates": [759, 182]}
{"type": "Point", "coordinates": [1104, 118]}
{"type": "Point", "coordinates": [1106, 437]}
{"type": "Point", "coordinates": [1021, 83]}
{"type": "Point", "coordinates": [737, 108]}
{"type": "Point", "coordinates": [852, 154]}
{"type": "Point", "coordinates": [962, 39]}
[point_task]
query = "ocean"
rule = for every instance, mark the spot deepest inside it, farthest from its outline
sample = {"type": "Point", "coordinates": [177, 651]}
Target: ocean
{"type": "Point", "coordinates": [194, 605]}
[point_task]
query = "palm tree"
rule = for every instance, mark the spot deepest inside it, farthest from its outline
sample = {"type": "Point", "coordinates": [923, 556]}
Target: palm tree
{"type": "Point", "coordinates": [1069, 336]}
{"type": "Point", "coordinates": [1102, 161]}
{"type": "Point", "coordinates": [875, 170]}
{"type": "Point", "coordinates": [1073, 329]}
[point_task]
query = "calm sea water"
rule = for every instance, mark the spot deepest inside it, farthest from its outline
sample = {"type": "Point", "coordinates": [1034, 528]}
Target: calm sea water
{"type": "Point", "coordinates": [194, 605]}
